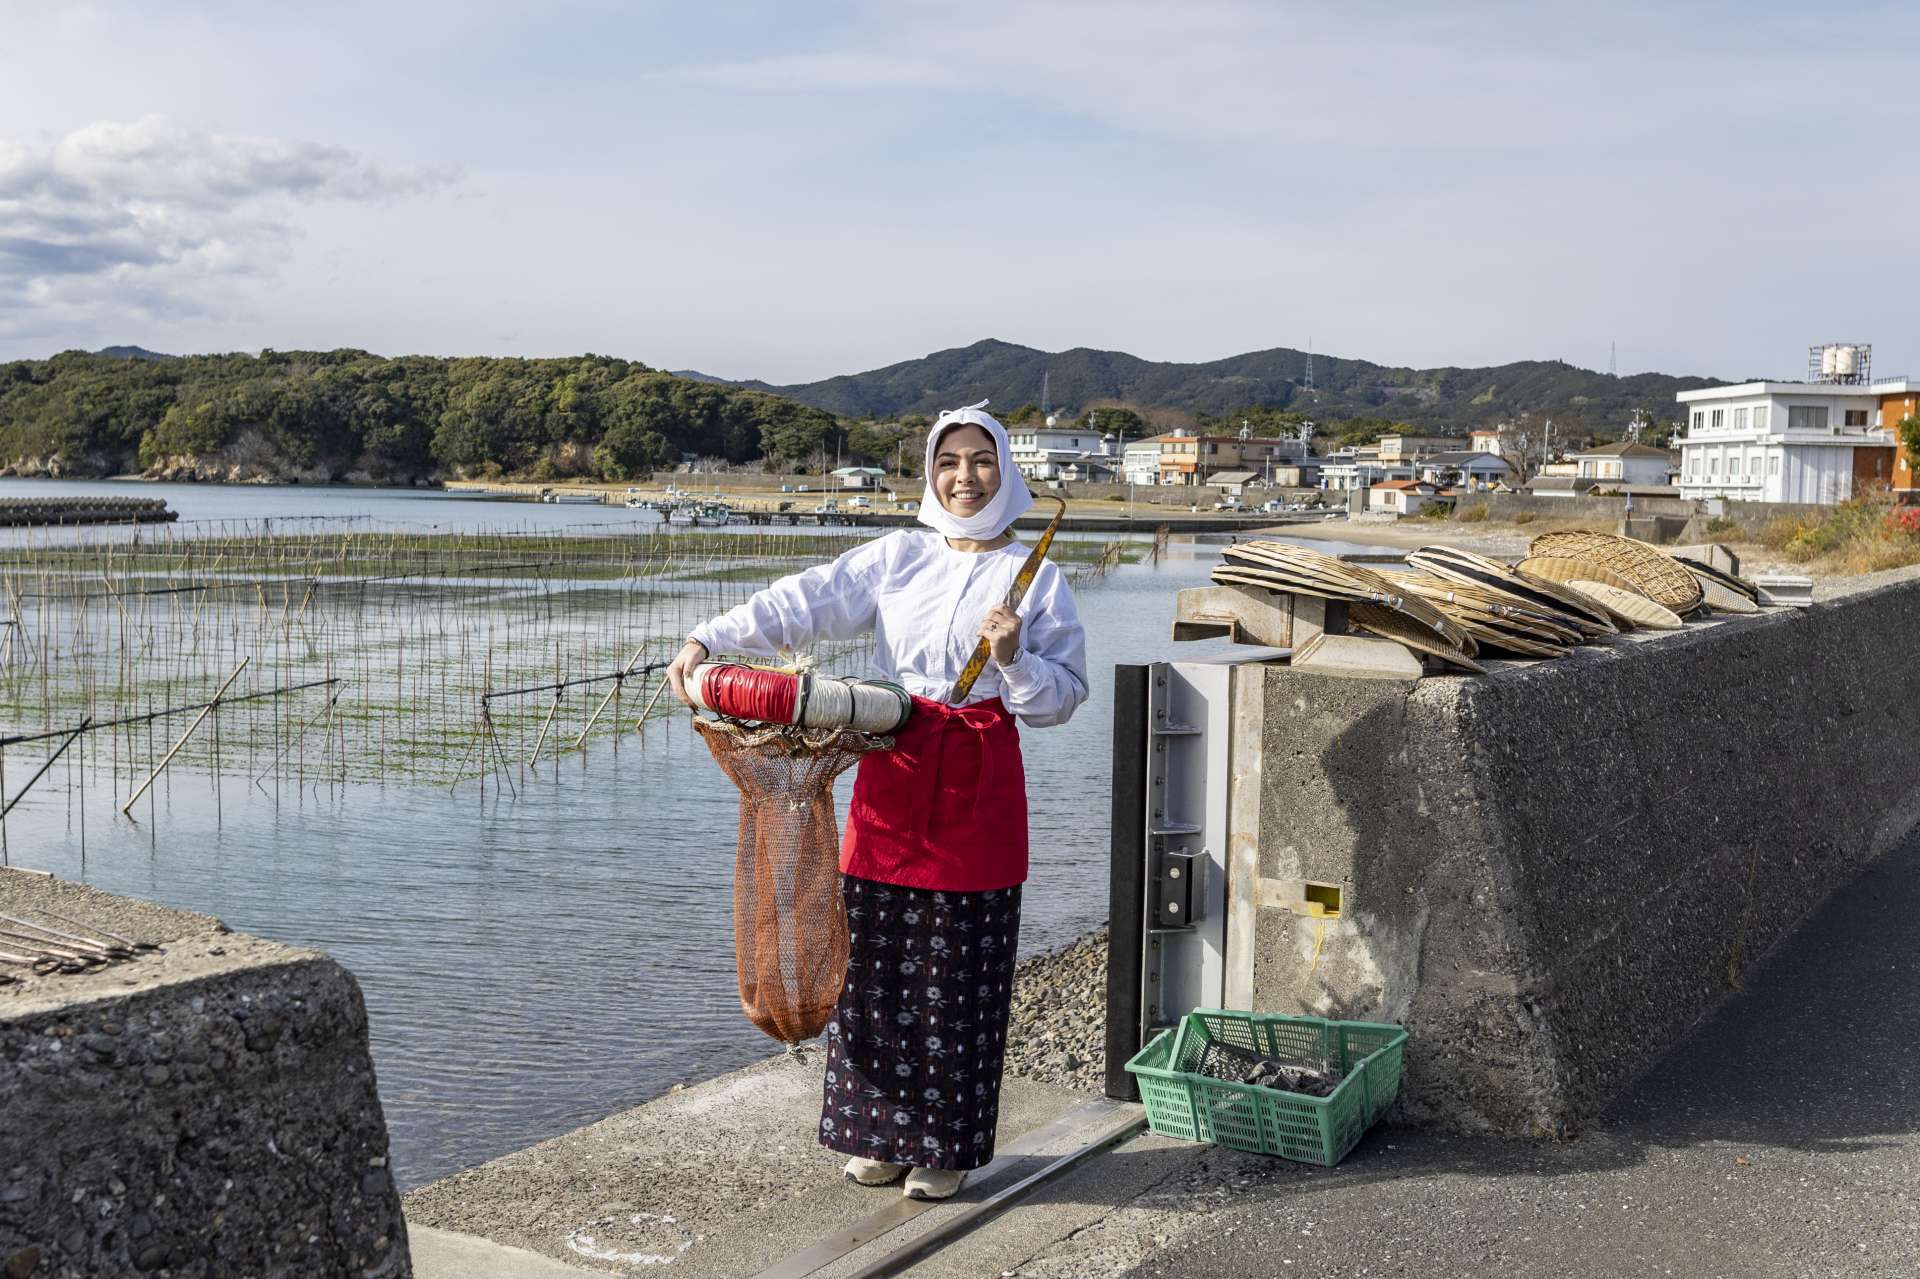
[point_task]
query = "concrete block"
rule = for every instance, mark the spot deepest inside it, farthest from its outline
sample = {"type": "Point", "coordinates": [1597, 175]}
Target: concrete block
{"type": "Point", "coordinates": [1358, 657]}
{"type": "Point", "coordinates": [208, 1109]}
{"type": "Point", "coordinates": [1551, 872]}
{"type": "Point", "coordinates": [1712, 554]}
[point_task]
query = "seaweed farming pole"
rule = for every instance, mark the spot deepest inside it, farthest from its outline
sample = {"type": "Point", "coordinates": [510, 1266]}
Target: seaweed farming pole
{"type": "Point", "coordinates": [303, 728]}
{"type": "Point", "coordinates": [61, 750]}
{"type": "Point", "coordinates": [612, 693]}
{"type": "Point", "coordinates": [147, 718]}
{"type": "Point", "coordinates": [205, 711]}
{"type": "Point", "coordinates": [648, 669]}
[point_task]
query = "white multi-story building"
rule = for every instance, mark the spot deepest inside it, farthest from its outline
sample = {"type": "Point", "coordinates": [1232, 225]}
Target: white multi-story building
{"type": "Point", "coordinates": [1359, 468]}
{"type": "Point", "coordinates": [1140, 460]}
{"type": "Point", "coordinates": [1811, 442]}
{"type": "Point", "coordinates": [1046, 453]}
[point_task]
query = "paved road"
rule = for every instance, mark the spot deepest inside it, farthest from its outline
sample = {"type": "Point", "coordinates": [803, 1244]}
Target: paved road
{"type": "Point", "coordinates": [1782, 1140]}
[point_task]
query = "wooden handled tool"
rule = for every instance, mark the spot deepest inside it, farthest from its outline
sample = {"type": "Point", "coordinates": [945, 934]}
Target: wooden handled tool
{"type": "Point", "coordinates": [1024, 579]}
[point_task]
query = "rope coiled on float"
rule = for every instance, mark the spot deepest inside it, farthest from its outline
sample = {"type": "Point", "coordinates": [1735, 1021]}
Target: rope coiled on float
{"type": "Point", "coordinates": [801, 700]}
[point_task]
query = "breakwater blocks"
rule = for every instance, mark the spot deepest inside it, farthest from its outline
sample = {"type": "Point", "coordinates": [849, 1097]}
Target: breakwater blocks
{"type": "Point", "coordinates": [208, 1108]}
{"type": "Point", "coordinates": [16, 511]}
{"type": "Point", "coordinates": [1551, 872]}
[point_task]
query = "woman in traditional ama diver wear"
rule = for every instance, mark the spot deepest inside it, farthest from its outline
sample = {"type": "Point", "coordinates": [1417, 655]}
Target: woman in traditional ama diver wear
{"type": "Point", "coordinates": [935, 848]}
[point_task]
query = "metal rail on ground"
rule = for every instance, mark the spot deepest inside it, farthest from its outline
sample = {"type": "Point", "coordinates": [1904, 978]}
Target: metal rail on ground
{"type": "Point", "coordinates": [1107, 1123]}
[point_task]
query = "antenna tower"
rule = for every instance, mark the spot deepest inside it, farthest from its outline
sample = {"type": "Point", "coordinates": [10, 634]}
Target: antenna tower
{"type": "Point", "coordinates": [1308, 384]}
{"type": "Point", "coordinates": [1046, 391]}
{"type": "Point", "coordinates": [1613, 359]}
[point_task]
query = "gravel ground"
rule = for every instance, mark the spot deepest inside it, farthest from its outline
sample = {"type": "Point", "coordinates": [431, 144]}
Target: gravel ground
{"type": "Point", "coordinates": [1059, 1028]}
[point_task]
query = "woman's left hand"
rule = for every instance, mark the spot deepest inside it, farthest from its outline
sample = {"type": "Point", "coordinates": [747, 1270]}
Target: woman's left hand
{"type": "Point", "coordinates": [1001, 631]}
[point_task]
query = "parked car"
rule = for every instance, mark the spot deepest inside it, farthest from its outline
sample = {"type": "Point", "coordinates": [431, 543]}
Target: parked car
{"type": "Point", "coordinates": [803, 488]}
{"type": "Point", "coordinates": [1229, 504]}
{"type": "Point", "coordinates": [858, 504]}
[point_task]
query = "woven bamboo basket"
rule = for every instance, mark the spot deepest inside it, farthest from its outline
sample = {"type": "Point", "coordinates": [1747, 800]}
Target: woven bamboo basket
{"type": "Point", "coordinates": [1724, 599]}
{"type": "Point", "coordinates": [1653, 572]}
{"type": "Point", "coordinates": [1387, 623]}
{"type": "Point", "coordinates": [1494, 620]}
{"type": "Point", "coordinates": [1534, 593]}
{"type": "Point", "coordinates": [1282, 566]}
{"type": "Point", "coordinates": [1728, 584]}
{"type": "Point", "coordinates": [1564, 571]}
{"type": "Point", "coordinates": [1633, 605]}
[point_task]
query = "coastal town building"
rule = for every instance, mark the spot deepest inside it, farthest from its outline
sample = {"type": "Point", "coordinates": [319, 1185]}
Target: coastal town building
{"type": "Point", "coordinates": [1358, 468]}
{"type": "Point", "coordinates": [1899, 401]}
{"type": "Point", "coordinates": [1304, 474]}
{"type": "Point", "coordinates": [1140, 460]}
{"type": "Point", "coordinates": [1049, 452]}
{"type": "Point", "coordinates": [1469, 469]}
{"type": "Point", "coordinates": [1187, 459]}
{"type": "Point", "coordinates": [1627, 462]}
{"type": "Point", "coordinates": [1401, 497]}
{"type": "Point", "coordinates": [860, 477]}
{"type": "Point", "coordinates": [1808, 442]}
{"type": "Point", "coordinates": [1233, 483]}
{"type": "Point", "coordinates": [1400, 450]}
{"type": "Point", "coordinates": [1487, 441]}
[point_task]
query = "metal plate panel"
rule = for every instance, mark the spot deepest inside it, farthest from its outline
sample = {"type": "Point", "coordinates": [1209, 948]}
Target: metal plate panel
{"type": "Point", "coordinates": [1189, 726]}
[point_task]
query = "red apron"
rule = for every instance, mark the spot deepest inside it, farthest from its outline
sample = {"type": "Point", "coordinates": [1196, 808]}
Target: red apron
{"type": "Point", "coordinates": [946, 808]}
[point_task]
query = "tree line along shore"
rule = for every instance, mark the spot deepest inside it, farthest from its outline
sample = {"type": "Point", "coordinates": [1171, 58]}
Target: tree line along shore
{"type": "Point", "coordinates": [323, 416]}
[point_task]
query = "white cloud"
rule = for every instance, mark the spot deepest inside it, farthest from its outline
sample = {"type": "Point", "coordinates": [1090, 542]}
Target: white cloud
{"type": "Point", "coordinates": [150, 219]}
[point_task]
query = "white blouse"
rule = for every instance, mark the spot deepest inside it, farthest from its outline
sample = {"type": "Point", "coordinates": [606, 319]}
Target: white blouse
{"type": "Point", "coordinates": [924, 602]}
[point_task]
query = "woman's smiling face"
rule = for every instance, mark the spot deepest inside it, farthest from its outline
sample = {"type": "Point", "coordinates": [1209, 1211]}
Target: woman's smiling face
{"type": "Point", "coordinates": [966, 470]}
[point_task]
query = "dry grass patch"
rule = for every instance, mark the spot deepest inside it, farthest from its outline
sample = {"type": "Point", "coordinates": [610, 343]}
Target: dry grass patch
{"type": "Point", "coordinates": [1865, 535]}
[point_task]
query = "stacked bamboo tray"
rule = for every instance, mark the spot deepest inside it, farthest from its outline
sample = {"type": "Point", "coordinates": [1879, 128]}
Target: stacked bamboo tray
{"type": "Point", "coordinates": [1455, 606]}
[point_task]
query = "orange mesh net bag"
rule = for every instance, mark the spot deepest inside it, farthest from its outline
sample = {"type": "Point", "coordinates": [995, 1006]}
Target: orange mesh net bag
{"type": "Point", "coordinates": [789, 923]}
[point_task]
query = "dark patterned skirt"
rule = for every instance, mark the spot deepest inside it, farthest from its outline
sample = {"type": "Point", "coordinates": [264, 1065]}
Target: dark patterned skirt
{"type": "Point", "coordinates": [917, 1040]}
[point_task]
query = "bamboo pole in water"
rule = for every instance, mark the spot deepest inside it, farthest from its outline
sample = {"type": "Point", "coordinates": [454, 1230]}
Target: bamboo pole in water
{"type": "Point", "coordinates": [175, 749]}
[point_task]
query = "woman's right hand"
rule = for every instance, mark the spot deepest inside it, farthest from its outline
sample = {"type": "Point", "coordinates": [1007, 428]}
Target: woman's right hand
{"type": "Point", "coordinates": [691, 654]}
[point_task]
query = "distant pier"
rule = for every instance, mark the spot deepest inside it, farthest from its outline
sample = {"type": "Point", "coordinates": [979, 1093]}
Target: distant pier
{"type": "Point", "coordinates": [832, 508]}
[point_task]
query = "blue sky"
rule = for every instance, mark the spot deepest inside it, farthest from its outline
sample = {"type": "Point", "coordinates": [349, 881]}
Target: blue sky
{"type": "Point", "coordinates": [795, 190]}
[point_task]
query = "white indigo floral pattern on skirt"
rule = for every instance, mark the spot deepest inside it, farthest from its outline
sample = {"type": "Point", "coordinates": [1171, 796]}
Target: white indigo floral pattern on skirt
{"type": "Point", "coordinates": [916, 1044]}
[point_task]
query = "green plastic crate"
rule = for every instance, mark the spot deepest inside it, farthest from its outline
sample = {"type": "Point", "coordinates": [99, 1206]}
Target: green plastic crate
{"type": "Point", "coordinates": [1317, 1130]}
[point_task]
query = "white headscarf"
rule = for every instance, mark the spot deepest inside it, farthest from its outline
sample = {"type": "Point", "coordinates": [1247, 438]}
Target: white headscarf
{"type": "Point", "coordinates": [1012, 499]}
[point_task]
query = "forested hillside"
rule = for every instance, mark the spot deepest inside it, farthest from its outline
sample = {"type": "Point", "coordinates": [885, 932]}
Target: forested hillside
{"type": "Point", "coordinates": [315, 416]}
{"type": "Point", "coordinates": [1446, 399]}
{"type": "Point", "coordinates": [322, 415]}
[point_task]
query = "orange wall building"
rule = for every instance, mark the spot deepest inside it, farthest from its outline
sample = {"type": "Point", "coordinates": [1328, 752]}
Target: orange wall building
{"type": "Point", "coordinates": [1895, 407]}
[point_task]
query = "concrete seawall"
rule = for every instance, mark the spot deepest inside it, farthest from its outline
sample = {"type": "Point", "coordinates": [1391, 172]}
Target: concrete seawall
{"type": "Point", "coordinates": [1550, 873]}
{"type": "Point", "coordinates": [205, 1109]}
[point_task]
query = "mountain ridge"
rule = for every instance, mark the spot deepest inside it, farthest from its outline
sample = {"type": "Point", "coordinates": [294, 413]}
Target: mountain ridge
{"type": "Point", "coordinates": [1456, 397]}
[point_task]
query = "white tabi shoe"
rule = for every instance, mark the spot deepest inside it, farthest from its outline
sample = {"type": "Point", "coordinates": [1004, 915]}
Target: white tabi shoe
{"type": "Point", "coordinates": [871, 1172]}
{"type": "Point", "coordinates": [933, 1183]}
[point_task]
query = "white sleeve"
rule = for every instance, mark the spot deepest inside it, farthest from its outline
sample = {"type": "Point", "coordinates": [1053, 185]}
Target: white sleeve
{"type": "Point", "coordinates": [1047, 679]}
{"type": "Point", "coordinates": [827, 602]}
